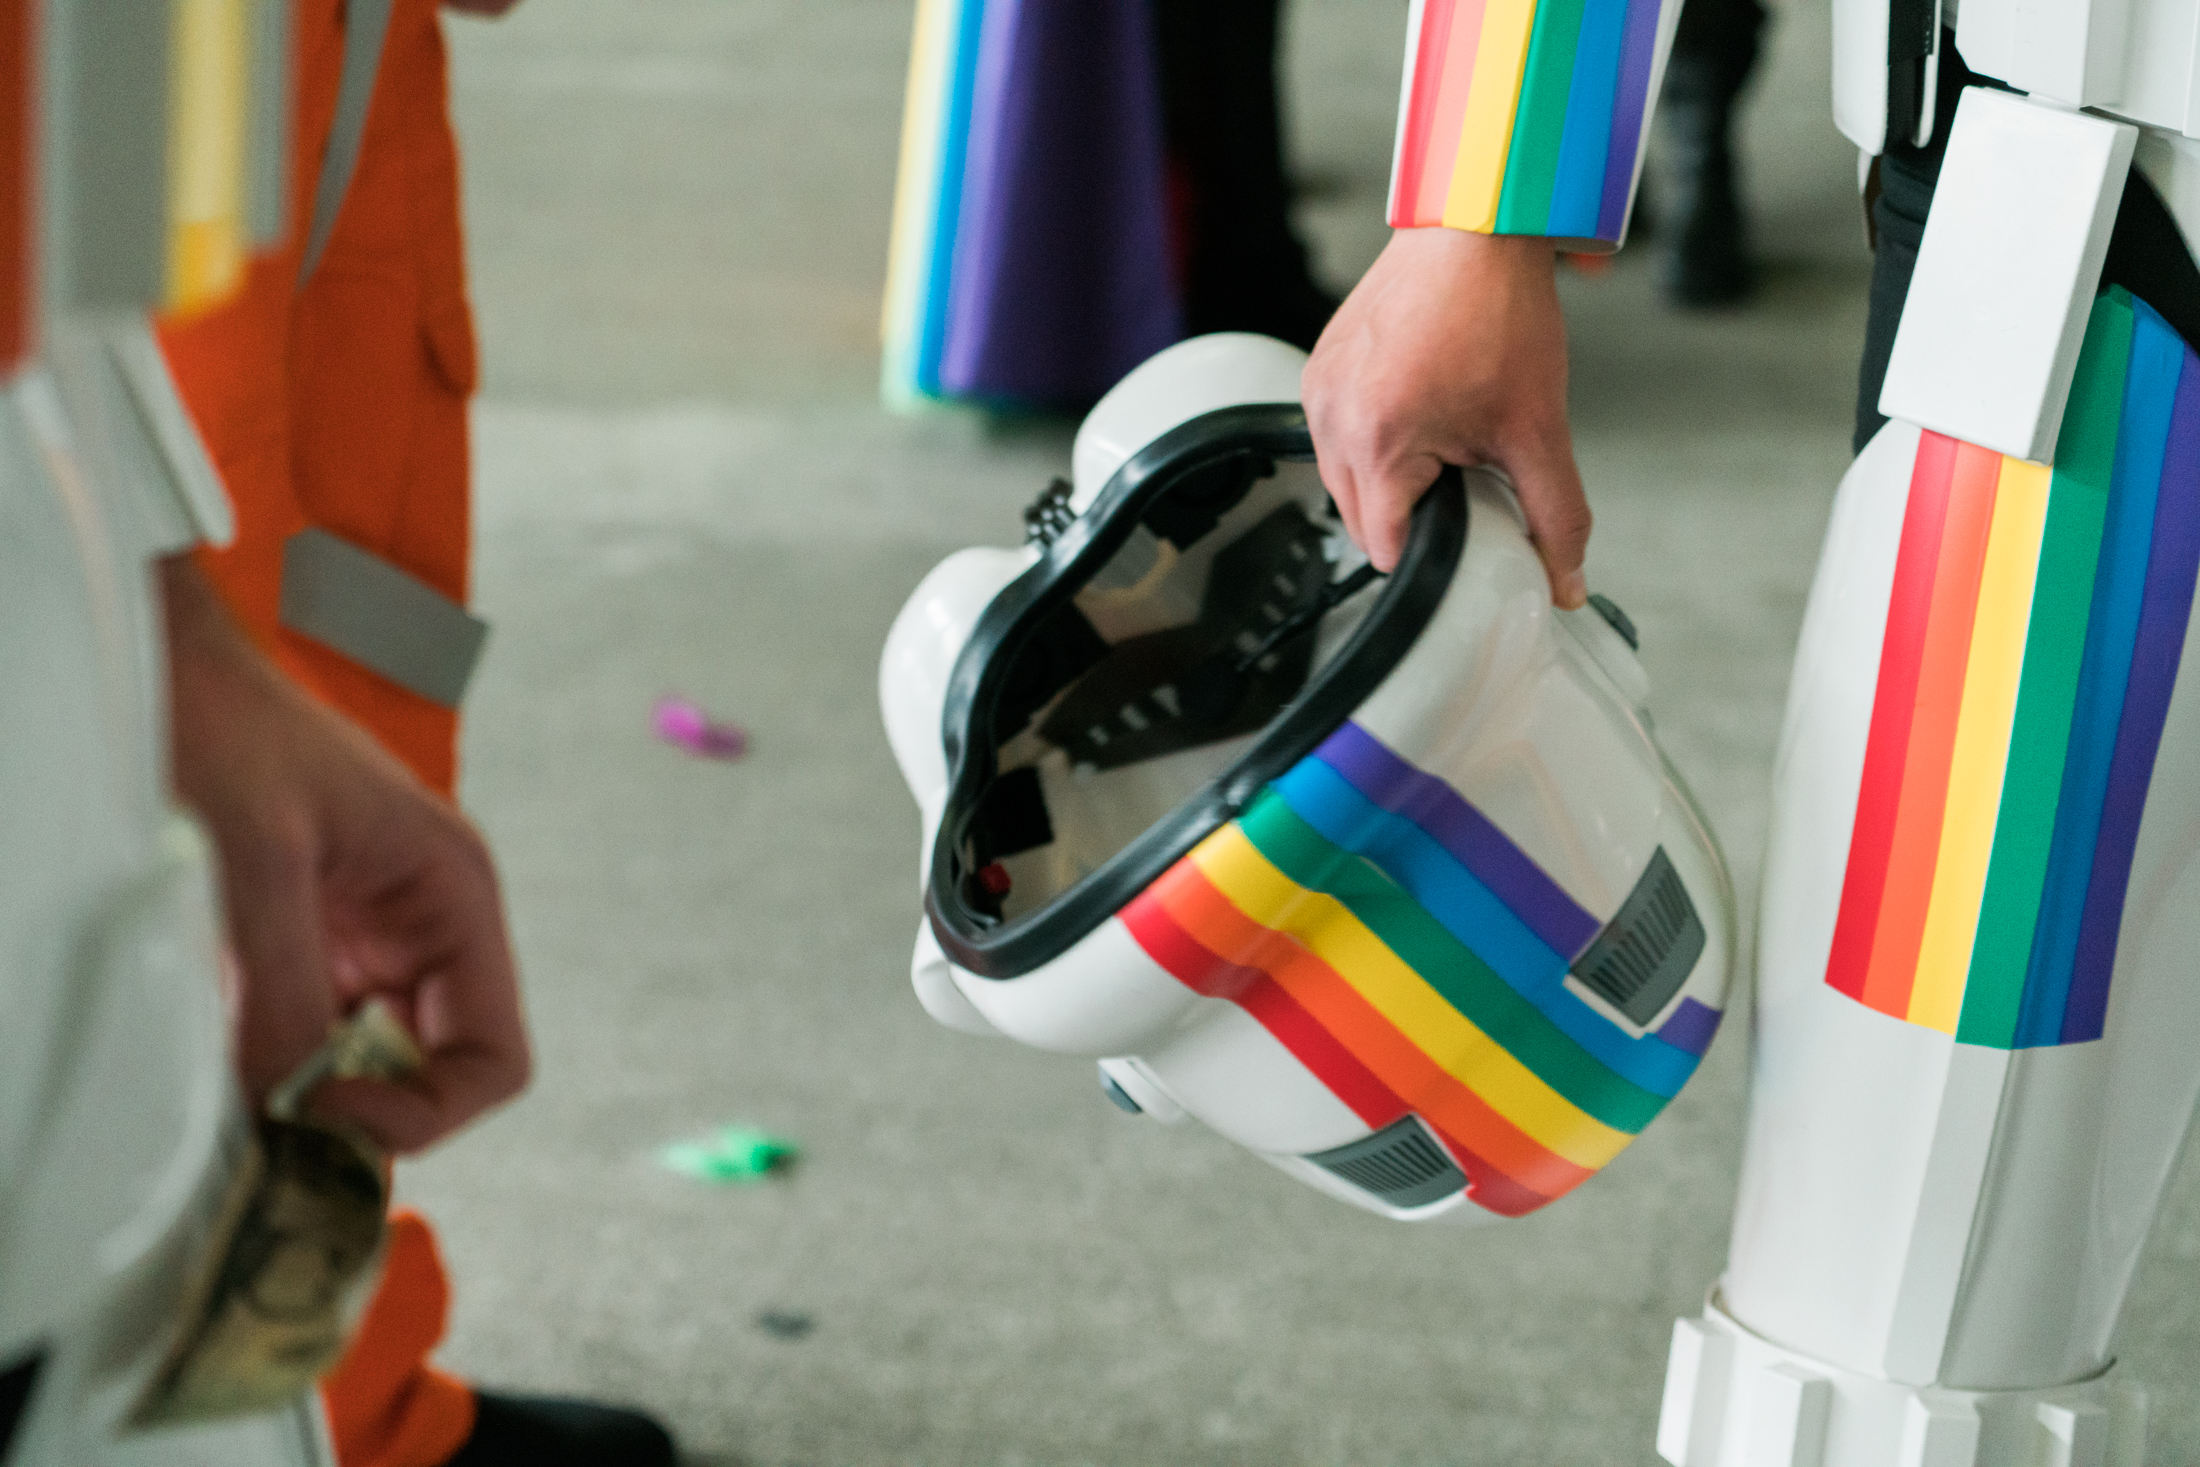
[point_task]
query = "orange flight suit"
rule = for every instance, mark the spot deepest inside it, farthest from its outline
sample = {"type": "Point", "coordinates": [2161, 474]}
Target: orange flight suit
{"type": "Point", "coordinates": [342, 404]}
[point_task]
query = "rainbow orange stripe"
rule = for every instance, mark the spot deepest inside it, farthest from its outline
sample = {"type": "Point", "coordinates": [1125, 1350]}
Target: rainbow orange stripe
{"type": "Point", "coordinates": [1414, 960]}
{"type": "Point", "coordinates": [2033, 637]}
{"type": "Point", "coordinates": [1524, 116]}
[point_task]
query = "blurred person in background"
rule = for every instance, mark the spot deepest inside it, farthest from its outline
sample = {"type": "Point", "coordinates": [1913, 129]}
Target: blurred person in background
{"type": "Point", "coordinates": [331, 394]}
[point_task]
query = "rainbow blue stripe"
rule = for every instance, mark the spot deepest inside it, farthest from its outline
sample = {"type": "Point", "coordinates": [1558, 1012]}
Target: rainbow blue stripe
{"type": "Point", "coordinates": [1524, 116]}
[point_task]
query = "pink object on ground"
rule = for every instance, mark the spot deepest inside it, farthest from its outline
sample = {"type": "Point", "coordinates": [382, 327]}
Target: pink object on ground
{"type": "Point", "coordinates": [678, 721]}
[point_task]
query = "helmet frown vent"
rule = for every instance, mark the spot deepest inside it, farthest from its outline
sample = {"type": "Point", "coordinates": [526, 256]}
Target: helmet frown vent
{"type": "Point", "coordinates": [1646, 953]}
{"type": "Point", "coordinates": [1401, 1164]}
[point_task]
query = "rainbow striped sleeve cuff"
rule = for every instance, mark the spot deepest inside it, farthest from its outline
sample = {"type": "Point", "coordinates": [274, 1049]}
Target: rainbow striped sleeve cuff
{"type": "Point", "coordinates": [2033, 639]}
{"type": "Point", "coordinates": [1526, 116]}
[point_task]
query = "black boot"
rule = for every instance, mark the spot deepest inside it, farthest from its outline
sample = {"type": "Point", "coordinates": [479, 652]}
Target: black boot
{"type": "Point", "coordinates": [1701, 222]}
{"type": "Point", "coordinates": [546, 1431]}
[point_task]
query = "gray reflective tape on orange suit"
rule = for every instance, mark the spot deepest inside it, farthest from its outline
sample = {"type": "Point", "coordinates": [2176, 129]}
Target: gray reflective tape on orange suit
{"type": "Point", "coordinates": [379, 616]}
{"type": "Point", "coordinates": [267, 187]}
{"type": "Point", "coordinates": [366, 25]}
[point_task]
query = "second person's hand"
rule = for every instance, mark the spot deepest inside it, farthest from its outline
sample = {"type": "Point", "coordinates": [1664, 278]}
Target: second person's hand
{"type": "Point", "coordinates": [1452, 350]}
{"type": "Point", "coordinates": [345, 879]}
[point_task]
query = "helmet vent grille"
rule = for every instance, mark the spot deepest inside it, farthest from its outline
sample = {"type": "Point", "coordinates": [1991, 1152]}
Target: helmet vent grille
{"type": "Point", "coordinates": [1401, 1164]}
{"type": "Point", "coordinates": [1644, 955]}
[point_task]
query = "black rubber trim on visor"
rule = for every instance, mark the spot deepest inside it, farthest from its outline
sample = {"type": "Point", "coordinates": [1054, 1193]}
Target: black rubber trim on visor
{"type": "Point", "coordinates": [1408, 599]}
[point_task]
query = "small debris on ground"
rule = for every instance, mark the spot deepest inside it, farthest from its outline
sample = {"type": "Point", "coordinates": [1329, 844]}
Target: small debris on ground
{"type": "Point", "coordinates": [785, 1324]}
{"type": "Point", "coordinates": [734, 1154]}
{"type": "Point", "coordinates": [686, 724]}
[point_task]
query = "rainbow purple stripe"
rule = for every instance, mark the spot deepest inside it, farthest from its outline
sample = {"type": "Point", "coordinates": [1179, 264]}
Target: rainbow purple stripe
{"type": "Point", "coordinates": [1524, 116]}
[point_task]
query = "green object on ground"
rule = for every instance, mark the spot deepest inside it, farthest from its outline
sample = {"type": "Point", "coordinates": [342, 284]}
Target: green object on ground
{"type": "Point", "coordinates": [735, 1154]}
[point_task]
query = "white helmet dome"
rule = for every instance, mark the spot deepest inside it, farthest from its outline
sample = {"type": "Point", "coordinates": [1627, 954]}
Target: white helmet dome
{"type": "Point", "coordinates": [1383, 877]}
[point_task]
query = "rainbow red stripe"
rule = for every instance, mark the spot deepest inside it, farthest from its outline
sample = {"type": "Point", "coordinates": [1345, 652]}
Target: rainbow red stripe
{"type": "Point", "coordinates": [2033, 637]}
{"type": "Point", "coordinates": [1414, 959]}
{"type": "Point", "coordinates": [1524, 116]}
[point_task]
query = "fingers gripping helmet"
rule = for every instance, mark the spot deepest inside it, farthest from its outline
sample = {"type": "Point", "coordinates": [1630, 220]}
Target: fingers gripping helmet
{"type": "Point", "coordinates": [1382, 877]}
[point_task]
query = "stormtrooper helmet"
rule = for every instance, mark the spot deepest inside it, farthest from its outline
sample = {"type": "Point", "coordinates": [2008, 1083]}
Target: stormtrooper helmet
{"type": "Point", "coordinates": [1383, 877]}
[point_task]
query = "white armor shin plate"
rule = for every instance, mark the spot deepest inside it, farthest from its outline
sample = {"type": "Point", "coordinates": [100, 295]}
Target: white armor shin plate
{"type": "Point", "coordinates": [1974, 1065]}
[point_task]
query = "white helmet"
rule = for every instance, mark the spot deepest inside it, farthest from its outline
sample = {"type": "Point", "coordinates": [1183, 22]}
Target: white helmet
{"type": "Point", "coordinates": [1384, 878]}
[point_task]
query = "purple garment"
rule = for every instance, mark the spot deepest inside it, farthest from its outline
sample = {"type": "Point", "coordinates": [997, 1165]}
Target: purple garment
{"type": "Point", "coordinates": [1063, 279]}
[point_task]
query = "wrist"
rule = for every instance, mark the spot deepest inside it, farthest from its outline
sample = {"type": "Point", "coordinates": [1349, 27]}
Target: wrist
{"type": "Point", "coordinates": [213, 670]}
{"type": "Point", "coordinates": [1517, 256]}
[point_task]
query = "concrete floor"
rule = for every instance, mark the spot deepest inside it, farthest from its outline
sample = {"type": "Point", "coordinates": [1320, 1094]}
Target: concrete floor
{"type": "Point", "coordinates": [678, 217]}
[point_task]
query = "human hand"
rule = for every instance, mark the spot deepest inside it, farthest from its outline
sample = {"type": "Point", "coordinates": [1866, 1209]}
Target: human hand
{"type": "Point", "coordinates": [1452, 350]}
{"type": "Point", "coordinates": [344, 879]}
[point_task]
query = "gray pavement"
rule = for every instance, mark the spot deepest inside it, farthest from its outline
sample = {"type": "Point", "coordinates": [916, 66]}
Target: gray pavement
{"type": "Point", "coordinates": [678, 216]}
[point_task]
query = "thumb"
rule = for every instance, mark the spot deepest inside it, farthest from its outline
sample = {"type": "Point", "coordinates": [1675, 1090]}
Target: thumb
{"type": "Point", "coordinates": [1551, 497]}
{"type": "Point", "coordinates": [1388, 494]}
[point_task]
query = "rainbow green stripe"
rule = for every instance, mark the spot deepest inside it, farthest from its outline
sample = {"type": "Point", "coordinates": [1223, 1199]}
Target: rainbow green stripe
{"type": "Point", "coordinates": [2033, 637]}
{"type": "Point", "coordinates": [1415, 960]}
{"type": "Point", "coordinates": [1524, 116]}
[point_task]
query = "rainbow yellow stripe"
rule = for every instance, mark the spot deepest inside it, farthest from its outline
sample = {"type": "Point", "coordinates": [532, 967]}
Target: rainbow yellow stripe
{"type": "Point", "coordinates": [1524, 116]}
{"type": "Point", "coordinates": [2034, 632]}
{"type": "Point", "coordinates": [210, 92]}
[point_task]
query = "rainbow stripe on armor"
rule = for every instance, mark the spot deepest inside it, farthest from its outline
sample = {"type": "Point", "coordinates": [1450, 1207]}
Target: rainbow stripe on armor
{"type": "Point", "coordinates": [1414, 959]}
{"type": "Point", "coordinates": [2033, 638]}
{"type": "Point", "coordinates": [1524, 116]}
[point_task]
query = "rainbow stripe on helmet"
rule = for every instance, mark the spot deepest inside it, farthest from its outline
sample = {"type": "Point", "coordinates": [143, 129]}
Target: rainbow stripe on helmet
{"type": "Point", "coordinates": [1414, 958]}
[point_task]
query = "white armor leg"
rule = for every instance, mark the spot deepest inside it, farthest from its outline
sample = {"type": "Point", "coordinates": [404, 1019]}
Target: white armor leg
{"type": "Point", "coordinates": [1934, 1238]}
{"type": "Point", "coordinates": [1974, 1065]}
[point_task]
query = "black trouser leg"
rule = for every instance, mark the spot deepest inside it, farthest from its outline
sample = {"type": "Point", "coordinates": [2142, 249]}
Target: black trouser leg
{"type": "Point", "coordinates": [1907, 176]}
{"type": "Point", "coordinates": [1245, 268]}
{"type": "Point", "coordinates": [1700, 217]}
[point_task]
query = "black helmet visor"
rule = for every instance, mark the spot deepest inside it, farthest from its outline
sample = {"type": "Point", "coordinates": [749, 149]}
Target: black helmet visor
{"type": "Point", "coordinates": [1202, 627]}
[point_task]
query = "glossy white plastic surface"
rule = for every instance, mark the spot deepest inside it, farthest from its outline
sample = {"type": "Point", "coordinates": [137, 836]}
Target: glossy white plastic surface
{"type": "Point", "coordinates": [1933, 1216]}
{"type": "Point", "coordinates": [115, 1092]}
{"type": "Point", "coordinates": [1736, 1399]}
{"type": "Point", "coordinates": [1226, 369]}
{"type": "Point", "coordinates": [114, 1070]}
{"type": "Point", "coordinates": [1535, 716]}
{"type": "Point", "coordinates": [1990, 331]}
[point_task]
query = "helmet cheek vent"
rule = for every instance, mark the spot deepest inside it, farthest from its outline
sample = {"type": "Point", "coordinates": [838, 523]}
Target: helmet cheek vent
{"type": "Point", "coordinates": [1401, 1164]}
{"type": "Point", "coordinates": [1644, 955]}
